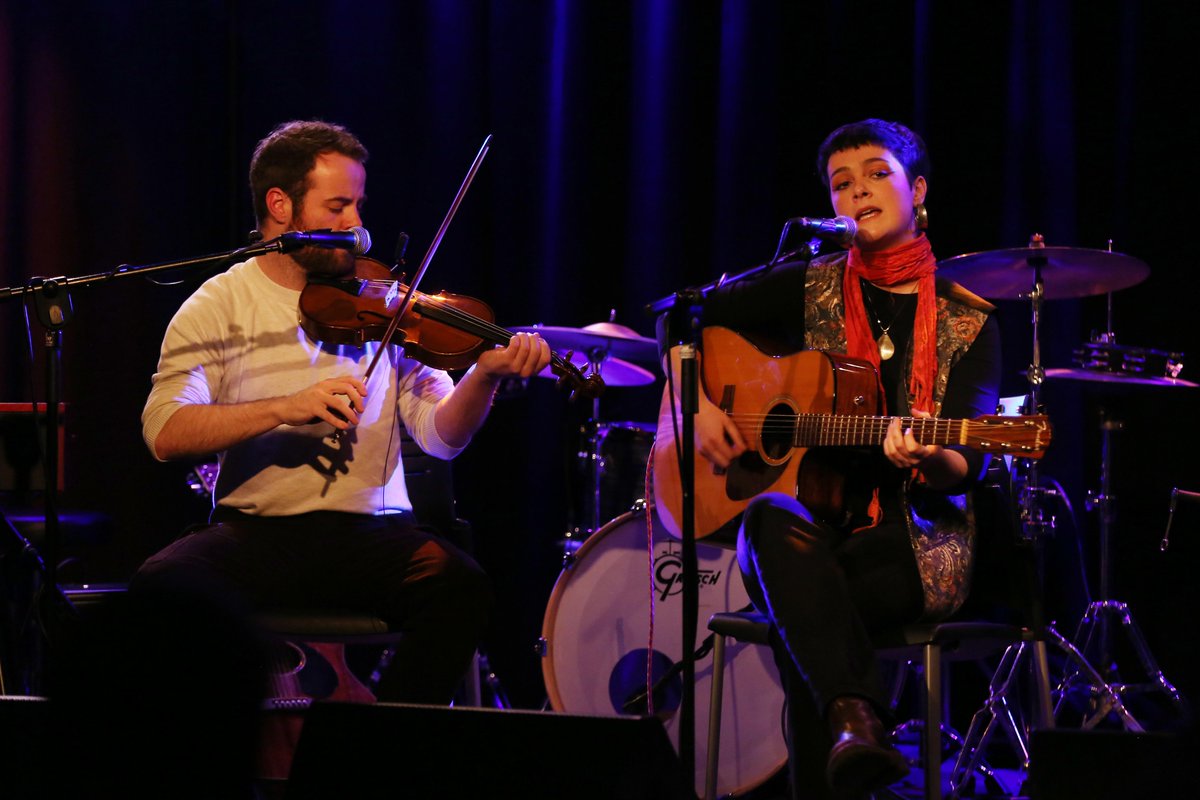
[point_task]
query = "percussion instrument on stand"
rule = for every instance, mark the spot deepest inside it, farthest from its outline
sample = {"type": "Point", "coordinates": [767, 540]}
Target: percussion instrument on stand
{"type": "Point", "coordinates": [608, 450]}
{"type": "Point", "coordinates": [1037, 273]}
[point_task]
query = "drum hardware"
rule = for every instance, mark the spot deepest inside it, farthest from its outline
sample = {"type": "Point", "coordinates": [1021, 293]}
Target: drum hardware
{"type": "Point", "coordinates": [1176, 493]}
{"type": "Point", "coordinates": [1095, 632]}
{"type": "Point", "coordinates": [1103, 361]}
{"type": "Point", "coordinates": [603, 348]}
{"type": "Point", "coordinates": [1022, 273]}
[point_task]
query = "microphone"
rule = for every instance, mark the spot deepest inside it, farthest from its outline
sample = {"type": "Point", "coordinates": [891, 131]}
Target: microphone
{"type": "Point", "coordinates": [356, 239]}
{"type": "Point", "coordinates": [839, 229]}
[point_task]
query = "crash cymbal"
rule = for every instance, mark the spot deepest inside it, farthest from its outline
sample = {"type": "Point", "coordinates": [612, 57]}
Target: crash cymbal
{"type": "Point", "coordinates": [1115, 378]}
{"type": "Point", "coordinates": [600, 338]}
{"type": "Point", "coordinates": [613, 371]}
{"type": "Point", "coordinates": [1066, 272]}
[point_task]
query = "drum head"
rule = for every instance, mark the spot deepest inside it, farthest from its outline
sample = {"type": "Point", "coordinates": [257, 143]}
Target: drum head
{"type": "Point", "coordinates": [597, 630]}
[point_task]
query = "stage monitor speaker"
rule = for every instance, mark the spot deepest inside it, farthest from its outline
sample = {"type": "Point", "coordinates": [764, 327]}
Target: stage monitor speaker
{"type": "Point", "coordinates": [25, 747]}
{"type": "Point", "coordinates": [1111, 765]}
{"type": "Point", "coordinates": [350, 750]}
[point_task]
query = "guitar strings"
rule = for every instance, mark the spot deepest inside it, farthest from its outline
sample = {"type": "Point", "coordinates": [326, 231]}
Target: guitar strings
{"type": "Point", "coordinates": [838, 428]}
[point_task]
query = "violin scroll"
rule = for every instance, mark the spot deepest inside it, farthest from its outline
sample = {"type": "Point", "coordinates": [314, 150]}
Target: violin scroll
{"type": "Point", "coordinates": [569, 376]}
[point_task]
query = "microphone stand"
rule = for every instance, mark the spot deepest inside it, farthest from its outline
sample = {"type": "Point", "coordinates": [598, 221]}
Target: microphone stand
{"type": "Point", "coordinates": [684, 308]}
{"type": "Point", "coordinates": [52, 299]}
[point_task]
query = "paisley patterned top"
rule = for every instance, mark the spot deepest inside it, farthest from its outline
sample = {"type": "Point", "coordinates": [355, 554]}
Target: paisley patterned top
{"type": "Point", "coordinates": [940, 526]}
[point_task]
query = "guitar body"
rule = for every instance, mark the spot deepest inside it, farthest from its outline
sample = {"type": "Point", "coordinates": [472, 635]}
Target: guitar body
{"type": "Point", "coordinates": [770, 391]}
{"type": "Point", "coordinates": [303, 672]}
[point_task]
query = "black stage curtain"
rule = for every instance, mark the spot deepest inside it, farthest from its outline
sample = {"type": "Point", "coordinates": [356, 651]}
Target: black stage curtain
{"type": "Point", "coordinates": [640, 147]}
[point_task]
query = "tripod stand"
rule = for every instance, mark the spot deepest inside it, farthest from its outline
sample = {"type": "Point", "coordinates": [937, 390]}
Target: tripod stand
{"type": "Point", "coordinates": [1095, 631]}
{"type": "Point", "coordinates": [1001, 274]}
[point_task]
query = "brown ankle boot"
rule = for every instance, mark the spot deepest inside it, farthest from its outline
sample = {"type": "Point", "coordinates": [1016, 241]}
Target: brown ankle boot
{"type": "Point", "coordinates": [861, 758]}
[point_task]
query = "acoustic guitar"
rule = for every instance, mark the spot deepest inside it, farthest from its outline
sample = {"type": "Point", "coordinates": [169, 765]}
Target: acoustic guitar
{"type": "Point", "coordinates": [786, 406]}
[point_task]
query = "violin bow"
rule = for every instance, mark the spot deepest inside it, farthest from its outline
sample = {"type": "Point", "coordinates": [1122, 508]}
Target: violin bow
{"type": "Point", "coordinates": [433, 246]}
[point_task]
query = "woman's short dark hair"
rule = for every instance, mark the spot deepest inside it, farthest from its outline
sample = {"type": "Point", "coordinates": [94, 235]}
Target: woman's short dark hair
{"type": "Point", "coordinates": [898, 139]}
{"type": "Point", "coordinates": [287, 154]}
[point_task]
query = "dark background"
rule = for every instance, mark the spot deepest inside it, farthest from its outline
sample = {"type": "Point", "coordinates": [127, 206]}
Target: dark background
{"type": "Point", "coordinates": [639, 148]}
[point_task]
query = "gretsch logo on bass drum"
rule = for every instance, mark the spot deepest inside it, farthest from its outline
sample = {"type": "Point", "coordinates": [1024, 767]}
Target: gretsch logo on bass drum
{"type": "Point", "coordinates": [668, 575]}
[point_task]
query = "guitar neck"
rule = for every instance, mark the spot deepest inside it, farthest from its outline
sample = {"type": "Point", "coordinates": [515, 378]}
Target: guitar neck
{"type": "Point", "coordinates": [835, 430]}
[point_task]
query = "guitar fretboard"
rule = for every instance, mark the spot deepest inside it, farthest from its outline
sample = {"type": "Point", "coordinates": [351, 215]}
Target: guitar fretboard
{"type": "Point", "coordinates": [997, 434]}
{"type": "Point", "coordinates": [821, 430]}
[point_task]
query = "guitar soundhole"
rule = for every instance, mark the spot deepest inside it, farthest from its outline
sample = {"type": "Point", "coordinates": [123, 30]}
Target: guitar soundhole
{"type": "Point", "coordinates": [777, 432]}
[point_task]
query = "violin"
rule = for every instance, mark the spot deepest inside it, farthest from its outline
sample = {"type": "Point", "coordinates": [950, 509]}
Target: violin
{"type": "Point", "coordinates": [444, 331]}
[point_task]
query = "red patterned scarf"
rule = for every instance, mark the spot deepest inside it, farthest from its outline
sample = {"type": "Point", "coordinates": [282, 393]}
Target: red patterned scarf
{"type": "Point", "coordinates": [911, 261]}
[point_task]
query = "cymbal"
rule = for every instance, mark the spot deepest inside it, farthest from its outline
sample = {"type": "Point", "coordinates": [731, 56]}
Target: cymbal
{"type": "Point", "coordinates": [1116, 378]}
{"type": "Point", "coordinates": [1066, 272]}
{"type": "Point", "coordinates": [613, 371]}
{"type": "Point", "coordinates": [599, 339]}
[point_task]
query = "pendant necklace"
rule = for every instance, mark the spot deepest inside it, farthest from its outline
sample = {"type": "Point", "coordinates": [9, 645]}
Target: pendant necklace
{"type": "Point", "coordinates": [887, 348]}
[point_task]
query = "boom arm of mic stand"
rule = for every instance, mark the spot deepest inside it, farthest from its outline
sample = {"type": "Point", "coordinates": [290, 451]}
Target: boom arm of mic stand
{"type": "Point", "coordinates": [671, 302]}
{"type": "Point", "coordinates": [126, 271]}
{"type": "Point", "coordinates": [52, 298]}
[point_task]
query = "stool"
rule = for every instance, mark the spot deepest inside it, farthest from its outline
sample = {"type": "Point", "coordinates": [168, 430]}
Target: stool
{"type": "Point", "coordinates": [321, 630]}
{"type": "Point", "coordinates": [933, 643]}
{"type": "Point", "coordinates": [351, 628]}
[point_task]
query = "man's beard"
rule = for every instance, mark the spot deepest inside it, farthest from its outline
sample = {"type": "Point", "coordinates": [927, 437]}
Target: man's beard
{"type": "Point", "coordinates": [323, 262]}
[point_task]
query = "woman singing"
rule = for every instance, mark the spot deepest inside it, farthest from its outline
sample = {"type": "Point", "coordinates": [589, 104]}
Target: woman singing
{"type": "Point", "coordinates": [830, 582]}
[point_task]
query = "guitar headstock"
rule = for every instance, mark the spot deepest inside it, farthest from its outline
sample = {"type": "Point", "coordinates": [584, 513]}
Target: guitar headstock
{"type": "Point", "coordinates": [1021, 437]}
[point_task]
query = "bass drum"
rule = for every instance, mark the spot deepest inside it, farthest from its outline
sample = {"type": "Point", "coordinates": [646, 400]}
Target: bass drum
{"type": "Point", "coordinates": [596, 633]}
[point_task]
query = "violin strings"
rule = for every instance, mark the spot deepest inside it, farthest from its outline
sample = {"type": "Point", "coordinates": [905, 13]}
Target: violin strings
{"type": "Point", "coordinates": [481, 328]}
{"type": "Point", "coordinates": [466, 322]}
{"type": "Point", "coordinates": [485, 329]}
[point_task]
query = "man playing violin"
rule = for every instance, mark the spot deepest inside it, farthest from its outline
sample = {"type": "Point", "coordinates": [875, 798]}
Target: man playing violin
{"type": "Point", "coordinates": [310, 506]}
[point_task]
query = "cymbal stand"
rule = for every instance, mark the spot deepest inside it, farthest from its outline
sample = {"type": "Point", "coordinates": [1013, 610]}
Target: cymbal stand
{"type": "Point", "coordinates": [1036, 523]}
{"type": "Point", "coordinates": [594, 460]}
{"type": "Point", "coordinates": [1094, 632]}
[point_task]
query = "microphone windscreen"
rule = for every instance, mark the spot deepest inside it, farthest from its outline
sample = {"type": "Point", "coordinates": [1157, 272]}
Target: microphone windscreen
{"type": "Point", "coordinates": [362, 240]}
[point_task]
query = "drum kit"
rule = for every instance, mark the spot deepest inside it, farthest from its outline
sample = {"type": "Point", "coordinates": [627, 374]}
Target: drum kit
{"type": "Point", "coordinates": [611, 627]}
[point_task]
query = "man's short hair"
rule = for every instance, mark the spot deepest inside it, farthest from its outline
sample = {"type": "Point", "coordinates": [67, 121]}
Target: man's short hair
{"type": "Point", "coordinates": [899, 140]}
{"type": "Point", "coordinates": [287, 154]}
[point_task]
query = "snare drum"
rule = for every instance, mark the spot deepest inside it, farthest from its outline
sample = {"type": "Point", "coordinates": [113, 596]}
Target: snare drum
{"type": "Point", "coordinates": [596, 632]}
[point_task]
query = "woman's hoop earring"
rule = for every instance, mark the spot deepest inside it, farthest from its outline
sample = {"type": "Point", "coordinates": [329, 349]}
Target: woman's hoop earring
{"type": "Point", "coordinates": [921, 215]}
